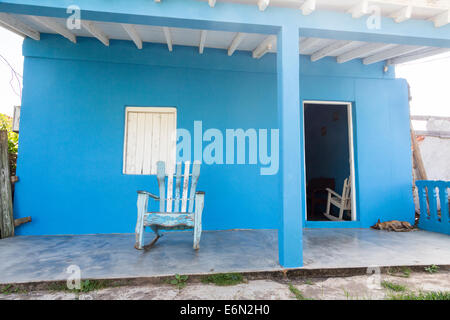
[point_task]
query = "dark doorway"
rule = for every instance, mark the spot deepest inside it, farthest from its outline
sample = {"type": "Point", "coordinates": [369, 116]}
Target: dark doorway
{"type": "Point", "coordinates": [328, 157]}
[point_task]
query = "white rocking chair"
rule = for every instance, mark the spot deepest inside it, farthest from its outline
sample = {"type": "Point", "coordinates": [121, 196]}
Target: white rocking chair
{"type": "Point", "coordinates": [343, 202]}
{"type": "Point", "coordinates": [184, 215]}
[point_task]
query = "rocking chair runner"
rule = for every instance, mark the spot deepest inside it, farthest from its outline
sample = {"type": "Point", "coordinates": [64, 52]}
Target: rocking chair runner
{"type": "Point", "coordinates": [343, 202]}
{"type": "Point", "coordinates": [165, 219]}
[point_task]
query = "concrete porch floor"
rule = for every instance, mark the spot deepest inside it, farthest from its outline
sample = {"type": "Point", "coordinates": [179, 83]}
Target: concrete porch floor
{"type": "Point", "coordinates": [109, 256]}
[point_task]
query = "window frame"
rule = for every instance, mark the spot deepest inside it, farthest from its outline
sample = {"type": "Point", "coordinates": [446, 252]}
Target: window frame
{"type": "Point", "coordinates": [146, 109]}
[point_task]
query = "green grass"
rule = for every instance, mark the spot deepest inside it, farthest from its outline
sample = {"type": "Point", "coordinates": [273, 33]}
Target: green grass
{"type": "Point", "coordinates": [6, 289]}
{"type": "Point", "coordinates": [403, 272]}
{"type": "Point", "coordinates": [224, 279]}
{"type": "Point", "coordinates": [85, 286]}
{"type": "Point", "coordinates": [92, 285]}
{"type": "Point", "coordinates": [421, 296]}
{"type": "Point", "coordinates": [393, 286]}
{"type": "Point", "coordinates": [406, 272]}
{"type": "Point", "coordinates": [179, 281]}
{"type": "Point", "coordinates": [309, 282]}
{"type": "Point", "coordinates": [9, 289]}
{"type": "Point", "coordinates": [432, 269]}
{"type": "Point", "coordinates": [298, 294]}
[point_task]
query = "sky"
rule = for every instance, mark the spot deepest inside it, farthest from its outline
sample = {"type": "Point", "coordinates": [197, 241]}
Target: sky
{"type": "Point", "coordinates": [11, 50]}
{"type": "Point", "coordinates": [429, 79]}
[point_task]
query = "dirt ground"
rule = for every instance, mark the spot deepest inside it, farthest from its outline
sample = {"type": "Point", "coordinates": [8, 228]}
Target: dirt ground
{"type": "Point", "coordinates": [335, 288]}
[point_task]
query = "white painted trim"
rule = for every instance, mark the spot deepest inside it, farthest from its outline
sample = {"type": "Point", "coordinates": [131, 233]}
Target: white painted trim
{"type": "Point", "coordinates": [329, 50]}
{"type": "Point", "coordinates": [396, 51]}
{"type": "Point", "coordinates": [235, 43]}
{"type": "Point", "coordinates": [264, 47]}
{"type": "Point", "coordinates": [308, 43]}
{"type": "Point", "coordinates": [349, 107]}
{"type": "Point", "coordinates": [362, 51]}
{"type": "Point", "coordinates": [201, 46]}
{"type": "Point", "coordinates": [418, 55]}
{"type": "Point", "coordinates": [360, 9]}
{"type": "Point", "coordinates": [95, 31]}
{"type": "Point", "coordinates": [441, 19]}
{"type": "Point", "coordinates": [308, 7]}
{"type": "Point", "coordinates": [403, 14]}
{"type": "Point", "coordinates": [151, 109]}
{"type": "Point", "coordinates": [55, 26]}
{"type": "Point", "coordinates": [168, 36]}
{"type": "Point", "coordinates": [14, 25]}
{"type": "Point", "coordinates": [131, 30]}
{"type": "Point", "coordinates": [263, 4]}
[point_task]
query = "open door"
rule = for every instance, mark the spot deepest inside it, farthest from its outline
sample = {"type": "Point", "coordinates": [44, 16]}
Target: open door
{"type": "Point", "coordinates": [329, 163]}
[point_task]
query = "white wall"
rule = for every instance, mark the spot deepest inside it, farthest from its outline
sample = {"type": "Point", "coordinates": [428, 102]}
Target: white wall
{"type": "Point", "coordinates": [436, 151]}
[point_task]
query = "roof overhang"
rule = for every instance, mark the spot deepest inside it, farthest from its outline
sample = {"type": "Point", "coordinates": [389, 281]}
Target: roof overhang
{"type": "Point", "coordinates": [326, 27]}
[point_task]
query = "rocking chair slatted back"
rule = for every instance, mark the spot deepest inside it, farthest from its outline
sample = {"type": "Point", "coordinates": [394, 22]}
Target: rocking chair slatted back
{"type": "Point", "coordinates": [343, 202]}
{"type": "Point", "coordinates": [177, 187]}
{"type": "Point", "coordinates": [185, 187]}
{"type": "Point", "coordinates": [347, 194]}
{"type": "Point", "coordinates": [168, 202]}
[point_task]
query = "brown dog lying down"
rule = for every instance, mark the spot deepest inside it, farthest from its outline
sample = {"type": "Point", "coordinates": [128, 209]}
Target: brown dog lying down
{"type": "Point", "coordinates": [397, 226]}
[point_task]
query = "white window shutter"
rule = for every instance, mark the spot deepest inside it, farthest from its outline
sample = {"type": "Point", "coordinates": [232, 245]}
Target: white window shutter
{"type": "Point", "coordinates": [150, 136]}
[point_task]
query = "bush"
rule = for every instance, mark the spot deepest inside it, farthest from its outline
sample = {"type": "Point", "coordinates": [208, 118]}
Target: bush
{"type": "Point", "coordinates": [13, 138]}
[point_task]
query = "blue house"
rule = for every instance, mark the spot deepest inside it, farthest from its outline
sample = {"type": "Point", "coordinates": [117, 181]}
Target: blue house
{"type": "Point", "coordinates": [273, 97]}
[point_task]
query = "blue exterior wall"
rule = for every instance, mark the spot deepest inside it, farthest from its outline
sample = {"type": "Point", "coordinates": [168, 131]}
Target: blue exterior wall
{"type": "Point", "coordinates": [72, 127]}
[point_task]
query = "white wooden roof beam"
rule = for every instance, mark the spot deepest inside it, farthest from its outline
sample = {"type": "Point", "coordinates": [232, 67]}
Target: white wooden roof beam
{"type": "Point", "coordinates": [263, 4]}
{"type": "Point", "coordinates": [134, 35]}
{"type": "Point", "coordinates": [442, 19]}
{"type": "Point", "coordinates": [309, 43]}
{"type": "Point", "coordinates": [168, 36]}
{"type": "Point", "coordinates": [403, 14]}
{"type": "Point", "coordinates": [264, 47]}
{"type": "Point", "coordinates": [396, 51]}
{"type": "Point", "coordinates": [201, 46]}
{"type": "Point", "coordinates": [235, 43]}
{"type": "Point", "coordinates": [363, 7]}
{"type": "Point", "coordinates": [359, 10]}
{"type": "Point", "coordinates": [429, 52]}
{"type": "Point", "coordinates": [363, 51]}
{"type": "Point", "coordinates": [16, 26]}
{"type": "Point", "coordinates": [308, 7]}
{"type": "Point", "coordinates": [95, 31]}
{"type": "Point", "coordinates": [329, 50]}
{"type": "Point", "coordinates": [55, 26]}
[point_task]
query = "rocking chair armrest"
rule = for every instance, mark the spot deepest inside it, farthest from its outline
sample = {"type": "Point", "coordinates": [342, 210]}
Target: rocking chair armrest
{"type": "Point", "coordinates": [334, 193]}
{"type": "Point", "coordinates": [151, 195]}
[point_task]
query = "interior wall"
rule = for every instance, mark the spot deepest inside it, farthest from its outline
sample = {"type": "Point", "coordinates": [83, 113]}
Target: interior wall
{"type": "Point", "coordinates": [72, 122]}
{"type": "Point", "coordinates": [326, 143]}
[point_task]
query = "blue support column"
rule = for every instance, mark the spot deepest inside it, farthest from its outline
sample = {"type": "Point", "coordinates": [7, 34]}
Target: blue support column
{"type": "Point", "coordinates": [290, 244]}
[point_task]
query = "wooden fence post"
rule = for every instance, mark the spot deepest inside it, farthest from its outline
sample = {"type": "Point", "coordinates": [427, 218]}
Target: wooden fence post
{"type": "Point", "coordinates": [6, 209]}
{"type": "Point", "coordinates": [417, 155]}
